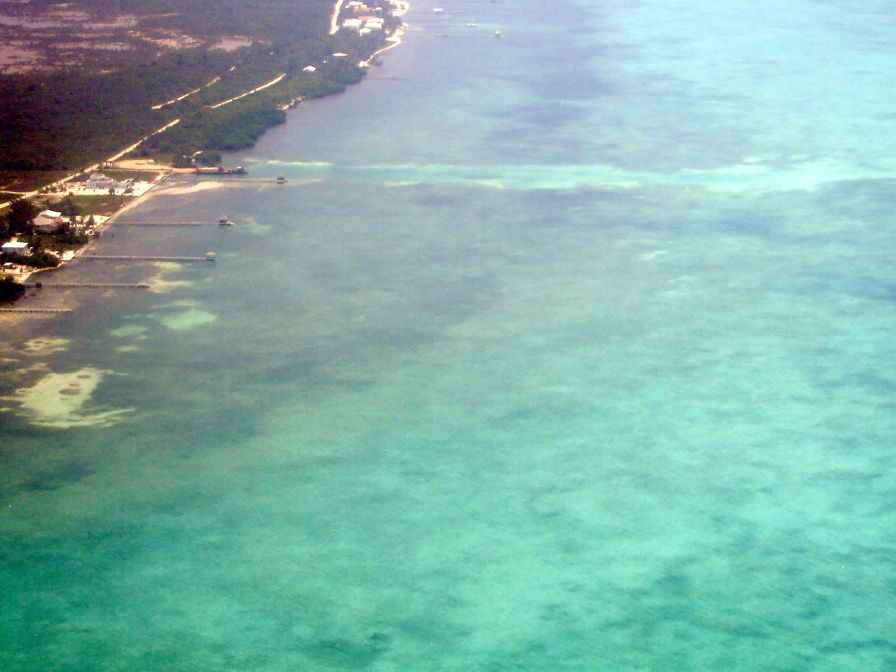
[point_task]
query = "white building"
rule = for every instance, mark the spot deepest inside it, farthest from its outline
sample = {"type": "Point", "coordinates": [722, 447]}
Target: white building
{"type": "Point", "coordinates": [352, 24]}
{"type": "Point", "coordinates": [15, 249]}
{"type": "Point", "coordinates": [47, 221]}
{"type": "Point", "coordinates": [99, 181]}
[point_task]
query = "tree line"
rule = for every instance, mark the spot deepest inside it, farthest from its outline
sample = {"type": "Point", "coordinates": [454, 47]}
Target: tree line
{"type": "Point", "coordinates": [74, 116]}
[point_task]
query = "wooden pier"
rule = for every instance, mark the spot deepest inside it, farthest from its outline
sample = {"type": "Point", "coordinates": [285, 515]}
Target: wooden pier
{"type": "Point", "coordinates": [221, 178]}
{"type": "Point", "coordinates": [35, 310]}
{"type": "Point", "coordinates": [122, 257]}
{"type": "Point", "coordinates": [118, 223]}
{"type": "Point", "coordinates": [90, 285]}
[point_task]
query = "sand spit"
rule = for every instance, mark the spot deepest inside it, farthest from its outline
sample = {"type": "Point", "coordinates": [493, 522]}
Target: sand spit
{"type": "Point", "coordinates": [58, 400]}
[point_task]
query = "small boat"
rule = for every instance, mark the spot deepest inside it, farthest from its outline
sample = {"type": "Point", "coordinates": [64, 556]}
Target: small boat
{"type": "Point", "coordinates": [281, 179]}
{"type": "Point", "coordinates": [472, 25]}
{"type": "Point", "coordinates": [223, 221]}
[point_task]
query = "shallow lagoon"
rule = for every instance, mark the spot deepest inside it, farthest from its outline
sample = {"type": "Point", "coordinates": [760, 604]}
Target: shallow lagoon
{"type": "Point", "coordinates": [567, 369]}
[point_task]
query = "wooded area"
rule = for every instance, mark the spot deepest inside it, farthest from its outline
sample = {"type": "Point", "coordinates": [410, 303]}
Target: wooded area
{"type": "Point", "coordinates": [85, 102]}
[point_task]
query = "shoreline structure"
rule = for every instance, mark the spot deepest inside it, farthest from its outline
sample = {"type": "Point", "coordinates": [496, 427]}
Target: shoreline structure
{"type": "Point", "coordinates": [165, 171]}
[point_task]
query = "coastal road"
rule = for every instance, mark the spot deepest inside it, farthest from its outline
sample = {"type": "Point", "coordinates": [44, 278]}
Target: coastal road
{"type": "Point", "coordinates": [334, 20]}
{"type": "Point", "coordinates": [248, 93]}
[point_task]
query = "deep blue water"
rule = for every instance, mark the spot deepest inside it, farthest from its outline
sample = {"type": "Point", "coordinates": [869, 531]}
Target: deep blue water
{"type": "Point", "coordinates": [568, 350]}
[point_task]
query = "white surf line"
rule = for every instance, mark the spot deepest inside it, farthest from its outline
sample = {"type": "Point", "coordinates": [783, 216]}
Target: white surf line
{"type": "Point", "coordinates": [248, 93]}
{"type": "Point", "coordinates": [334, 20]}
{"type": "Point", "coordinates": [739, 177]}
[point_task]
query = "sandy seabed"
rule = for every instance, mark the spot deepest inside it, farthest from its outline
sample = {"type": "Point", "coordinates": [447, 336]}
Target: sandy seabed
{"type": "Point", "coordinates": [58, 400]}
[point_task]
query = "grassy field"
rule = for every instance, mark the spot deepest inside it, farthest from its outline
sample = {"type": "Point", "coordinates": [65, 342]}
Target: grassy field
{"type": "Point", "coordinates": [144, 175]}
{"type": "Point", "coordinates": [100, 205]}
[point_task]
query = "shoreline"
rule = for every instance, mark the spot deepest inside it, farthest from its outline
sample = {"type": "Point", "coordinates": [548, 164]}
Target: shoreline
{"type": "Point", "coordinates": [24, 319]}
{"type": "Point", "coordinates": [394, 39]}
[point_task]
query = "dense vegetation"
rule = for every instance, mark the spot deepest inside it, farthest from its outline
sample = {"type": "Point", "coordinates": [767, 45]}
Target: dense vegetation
{"type": "Point", "coordinates": [82, 110]}
{"type": "Point", "coordinates": [10, 289]}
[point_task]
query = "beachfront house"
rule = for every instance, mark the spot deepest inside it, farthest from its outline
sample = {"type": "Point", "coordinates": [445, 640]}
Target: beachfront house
{"type": "Point", "coordinates": [47, 221]}
{"type": "Point", "coordinates": [15, 250]}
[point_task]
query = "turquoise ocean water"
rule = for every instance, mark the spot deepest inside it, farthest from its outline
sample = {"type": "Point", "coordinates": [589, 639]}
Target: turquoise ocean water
{"type": "Point", "coordinates": [569, 350]}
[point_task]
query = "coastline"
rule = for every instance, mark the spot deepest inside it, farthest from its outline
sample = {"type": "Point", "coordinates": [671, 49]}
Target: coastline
{"type": "Point", "coordinates": [35, 299]}
{"type": "Point", "coordinates": [526, 367]}
{"type": "Point", "coordinates": [394, 39]}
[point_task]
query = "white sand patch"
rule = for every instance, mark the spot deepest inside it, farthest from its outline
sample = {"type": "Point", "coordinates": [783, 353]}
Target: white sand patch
{"type": "Point", "coordinates": [57, 400]}
{"type": "Point", "coordinates": [188, 316]}
{"type": "Point", "coordinates": [191, 189]}
{"type": "Point", "coordinates": [160, 283]}
{"type": "Point", "coordinates": [140, 164]}
{"type": "Point", "coordinates": [135, 331]}
{"type": "Point", "coordinates": [188, 319]}
{"type": "Point", "coordinates": [45, 345]}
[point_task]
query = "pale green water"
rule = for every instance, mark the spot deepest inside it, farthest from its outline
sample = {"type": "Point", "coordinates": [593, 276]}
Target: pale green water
{"type": "Point", "coordinates": [542, 378]}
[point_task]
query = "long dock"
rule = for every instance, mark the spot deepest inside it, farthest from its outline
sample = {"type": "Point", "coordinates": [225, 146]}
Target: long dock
{"type": "Point", "coordinates": [219, 178]}
{"type": "Point", "coordinates": [122, 257]}
{"type": "Point", "coordinates": [118, 223]}
{"type": "Point", "coordinates": [35, 310]}
{"type": "Point", "coordinates": [90, 285]}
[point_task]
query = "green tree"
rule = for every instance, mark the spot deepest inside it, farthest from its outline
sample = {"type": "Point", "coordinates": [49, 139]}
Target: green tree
{"type": "Point", "coordinates": [209, 158]}
{"type": "Point", "coordinates": [20, 218]}
{"type": "Point", "coordinates": [10, 289]}
{"type": "Point", "coordinates": [68, 207]}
